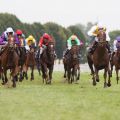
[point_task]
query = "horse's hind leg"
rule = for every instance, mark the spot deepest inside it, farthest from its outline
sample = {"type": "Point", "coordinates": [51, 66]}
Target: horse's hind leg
{"type": "Point", "coordinates": [90, 63]}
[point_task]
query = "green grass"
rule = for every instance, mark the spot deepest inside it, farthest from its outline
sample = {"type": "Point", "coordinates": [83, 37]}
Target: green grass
{"type": "Point", "coordinates": [60, 101]}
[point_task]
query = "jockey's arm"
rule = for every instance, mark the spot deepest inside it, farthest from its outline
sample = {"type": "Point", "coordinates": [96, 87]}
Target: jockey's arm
{"type": "Point", "coordinates": [69, 43]}
{"type": "Point", "coordinates": [115, 45]}
{"type": "Point", "coordinates": [107, 37]}
{"type": "Point", "coordinates": [78, 41]}
{"type": "Point", "coordinates": [92, 31]}
{"type": "Point", "coordinates": [40, 42]}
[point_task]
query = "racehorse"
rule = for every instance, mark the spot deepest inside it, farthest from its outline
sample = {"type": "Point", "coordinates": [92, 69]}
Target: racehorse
{"type": "Point", "coordinates": [30, 62]}
{"type": "Point", "coordinates": [100, 59]}
{"type": "Point", "coordinates": [9, 60]}
{"type": "Point", "coordinates": [21, 51]}
{"type": "Point", "coordinates": [47, 62]}
{"type": "Point", "coordinates": [72, 65]}
{"type": "Point", "coordinates": [116, 61]}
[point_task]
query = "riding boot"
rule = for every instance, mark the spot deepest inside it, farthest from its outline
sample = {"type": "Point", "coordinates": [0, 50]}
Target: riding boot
{"type": "Point", "coordinates": [92, 49]}
{"type": "Point", "coordinates": [79, 56]}
{"type": "Point", "coordinates": [55, 55]}
{"type": "Point", "coordinates": [65, 53]}
{"type": "Point", "coordinates": [108, 47]}
{"type": "Point", "coordinates": [112, 56]}
{"type": "Point", "coordinates": [38, 54]}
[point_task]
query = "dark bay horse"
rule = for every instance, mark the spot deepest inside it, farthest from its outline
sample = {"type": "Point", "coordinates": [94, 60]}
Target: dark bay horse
{"type": "Point", "coordinates": [101, 59]}
{"type": "Point", "coordinates": [47, 62]}
{"type": "Point", "coordinates": [116, 62]}
{"type": "Point", "coordinates": [21, 51]}
{"type": "Point", "coordinates": [72, 65]}
{"type": "Point", "coordinates": [9, 60]}
{"type": "Point", "coordinates": [30, 62]}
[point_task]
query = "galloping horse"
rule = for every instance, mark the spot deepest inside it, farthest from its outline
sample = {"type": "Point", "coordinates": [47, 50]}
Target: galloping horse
{"type": "Point", "coordinates": [47, 62]}
{"type": "Point", "coordinates": [21, 51]}
{"type": "Point", "coordinates": [9, 60]}
{"type": "Point", "coordinates": [101, 59]}
{"type": "Point", "coordinates": [71, 64]}
{"type": "Point", "coordinates": [116, 62]}
{"type": "Point", "coordinates": [30, 62]}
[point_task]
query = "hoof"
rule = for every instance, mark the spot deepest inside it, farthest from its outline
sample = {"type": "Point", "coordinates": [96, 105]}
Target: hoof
{"type": "Point", "coordinates": [3, 83]}
{"type": "Point", "coordinates": [97, 80]}
{"type": "Point", "coordinates": [94, 83]}
{"type": "Point", "coordinates": [14, 85]}
{"type": "Point", "coordinates": [109, 84]}
{"type": "Point", "coordinates": [105, 85]}
{"type": "Point", "coordinates": [76, 82]}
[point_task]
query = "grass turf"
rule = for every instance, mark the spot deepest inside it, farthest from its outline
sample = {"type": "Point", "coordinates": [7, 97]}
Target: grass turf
{"type": "Point", "coordinates": [32, 100]}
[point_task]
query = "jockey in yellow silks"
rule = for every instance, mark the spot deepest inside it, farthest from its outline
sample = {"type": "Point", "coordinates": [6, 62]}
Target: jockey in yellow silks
{"type": "Point", "coordinates": [93, 34]}
{"type": "Point", "coordinates": [30, 41]}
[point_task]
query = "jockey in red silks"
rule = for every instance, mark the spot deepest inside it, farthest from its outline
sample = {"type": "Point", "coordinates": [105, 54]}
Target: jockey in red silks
{"type": "Point", "coordinates": [44, 40]}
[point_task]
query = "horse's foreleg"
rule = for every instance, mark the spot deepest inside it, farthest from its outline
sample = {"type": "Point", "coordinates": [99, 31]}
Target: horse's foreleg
{"type": "Point", "coordinates": [50, 74]}
{"type": "Point", "coordinates": [105, 76]}
{"type": "Point", "coordinates": [78, 75]}
{"type": "Point", "coordinates": [69, 75]}
{"type": "Point", "coordinates": [14, 75]}
{"type": "Point", "coordinates": [94, 80]}
{"type": "Point", "coordinates": [44, 73]}
{"type": "Point", "coordinates": [75, 74]}
{"type": "Point", "coordinates": [97, 76]}
{"type": "Point", "coordinates": [109, 76]}
{"type": "Point", "coordinates": [117, 77]}
{"type": "Point", "coordinates": [5, 75]}
{"type": "Point", "coordinates": [32, 73]}
{"type": "Point", "coordinates": [21, 74]}
{"type": "Point", "coordinates": [111, 65]}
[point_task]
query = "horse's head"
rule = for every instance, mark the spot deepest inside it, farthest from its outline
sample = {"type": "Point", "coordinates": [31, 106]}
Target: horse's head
{"type": "Point", "coordinates": [11, 41]}
{"type": "Point", "coordinates": [74, 52]}
{"type": "Point", "coordinates": [51, 48]}
{"type": "Point", "coordinates": [101, 38]}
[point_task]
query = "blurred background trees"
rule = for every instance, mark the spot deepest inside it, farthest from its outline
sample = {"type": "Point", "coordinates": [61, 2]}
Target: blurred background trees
{"type": "Point", "coordinates": [58, 32]}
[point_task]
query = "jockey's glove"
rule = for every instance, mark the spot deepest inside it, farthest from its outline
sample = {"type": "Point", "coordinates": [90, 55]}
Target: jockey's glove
{"type": "Point", "coordinates": [44, 46]}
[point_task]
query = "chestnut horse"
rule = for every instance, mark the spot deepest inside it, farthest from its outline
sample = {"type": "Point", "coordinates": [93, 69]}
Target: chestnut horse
{"type": "Point", "coordinates": [30, 62]}
{"type": "Point", "coordinates": [9, 60]}
{"type": "Point", "coordinates": [101, 59]}
{"type": "Point", "coordinates": [116, 61]}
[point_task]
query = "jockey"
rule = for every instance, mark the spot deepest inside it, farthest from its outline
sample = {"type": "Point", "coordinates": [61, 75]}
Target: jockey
{"type": "Point", "coordinates": [93, 34]}
{"type": "Point", "coordinates": [73, 39]}
{"type": "Point", "coordinates": [30, 42]}
{"type": "Point", "coordinates": [116, 45]}
{"type": "Point", "coordinates": [21, 38]}
{"type": "Point", "coordinates": [43, 42]}
{"type": "Point", "coordinates": [9, 32]}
